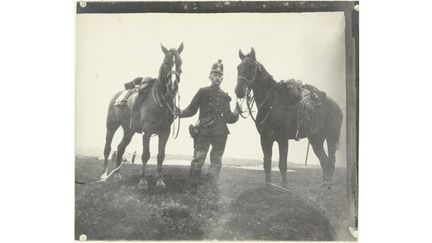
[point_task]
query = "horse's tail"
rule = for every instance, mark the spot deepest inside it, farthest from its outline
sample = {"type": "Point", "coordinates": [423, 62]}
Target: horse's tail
{"type": "Point", "coordinates": [335, 121]}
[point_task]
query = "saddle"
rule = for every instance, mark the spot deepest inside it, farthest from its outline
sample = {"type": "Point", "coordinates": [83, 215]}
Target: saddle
{"type": "Point", "coordinates": [293, 88]}
{"type": "Point", "coordinates": [138, 86]}
{"type": "Point", "coordinates": [308, 101]}
{"type": "Point", "coordinates": [308, 120]}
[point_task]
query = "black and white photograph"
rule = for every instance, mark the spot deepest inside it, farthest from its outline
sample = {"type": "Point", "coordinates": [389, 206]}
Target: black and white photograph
{"type": "Point", "coordinates": [227, 120]}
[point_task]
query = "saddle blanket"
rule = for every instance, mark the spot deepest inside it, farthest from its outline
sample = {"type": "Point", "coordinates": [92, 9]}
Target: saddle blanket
{"type": "Point", "coordinates": [123, 97]}
{"type": "Point", "coordinates": [305, 113]}
{"type": "Point", "coordinates": [306, 100]}
{"type": "Point", "coordinates": [138, 85]}
{"type": "Point", "coordinates": [309, 99]}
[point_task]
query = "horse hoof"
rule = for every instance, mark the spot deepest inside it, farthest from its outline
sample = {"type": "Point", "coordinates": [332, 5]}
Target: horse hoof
{"type": "Point", "coordinates": [160, 184]}
{"type": "Point", "coordinates": [142, 185]}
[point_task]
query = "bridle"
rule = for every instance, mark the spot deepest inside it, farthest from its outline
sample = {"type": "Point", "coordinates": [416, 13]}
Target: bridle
{"type": "Point", "coordinates": [250, 98]}
{"type": "Point", "coordinates": [161, 99]}
{"type": "Point", "coordinates": [175, 101]}
{"type": "Point", "coordinates": [252, 80]}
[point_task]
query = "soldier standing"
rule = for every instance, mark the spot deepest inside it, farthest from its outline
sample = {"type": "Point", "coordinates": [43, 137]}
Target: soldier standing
{"type": "Point", "coordinates": [215, 113]}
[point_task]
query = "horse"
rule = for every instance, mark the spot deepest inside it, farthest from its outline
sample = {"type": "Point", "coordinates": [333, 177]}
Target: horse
{"type": "Point", "coordinates": [156, 112]}
{"type": "Point", "coordinates": [276, 118]}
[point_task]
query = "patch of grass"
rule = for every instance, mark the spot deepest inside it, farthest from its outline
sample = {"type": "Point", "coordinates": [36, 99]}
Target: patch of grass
{"type": "Point", "coordinates": [239, 208]}
{"type": "Point", "coordinates": [120, 211]}
{"type": "Point", "coordinates": [265, 214]}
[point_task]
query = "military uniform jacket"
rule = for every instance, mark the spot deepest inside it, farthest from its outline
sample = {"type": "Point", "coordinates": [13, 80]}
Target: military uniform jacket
{"type": "Point", "coordinates": [213, 104]}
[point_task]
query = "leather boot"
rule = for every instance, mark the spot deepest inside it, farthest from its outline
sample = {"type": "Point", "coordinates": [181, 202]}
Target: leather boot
{"type": "Point", "coordinates": [213, 174]}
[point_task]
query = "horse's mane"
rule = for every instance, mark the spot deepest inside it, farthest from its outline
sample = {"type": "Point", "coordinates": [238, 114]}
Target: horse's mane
{"type": "Point", "coordinates": [266, 74]}
{"type": "Point", "coordinates": [280, 86]}
{"type": "Point", "coordinates": [162, 72]}
{"type": "Point", "coordinates": [161, 77]}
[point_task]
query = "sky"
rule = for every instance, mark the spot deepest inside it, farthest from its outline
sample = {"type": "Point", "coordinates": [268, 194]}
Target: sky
{"type": "Point", "coordinates": [112, 49]}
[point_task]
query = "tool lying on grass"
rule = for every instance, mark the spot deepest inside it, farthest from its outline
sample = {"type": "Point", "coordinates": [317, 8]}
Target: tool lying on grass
{"type": "Point", "coordinates": [103, 178]}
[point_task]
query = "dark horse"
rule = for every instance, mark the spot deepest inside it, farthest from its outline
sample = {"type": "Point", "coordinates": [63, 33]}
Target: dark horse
{"type": "Point", "coordinates": [276, 119]}
{"type": "Point", "coordinates": [156, 112]}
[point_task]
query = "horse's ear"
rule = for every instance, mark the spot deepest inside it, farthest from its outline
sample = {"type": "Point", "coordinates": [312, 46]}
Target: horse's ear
{"type": "Point", "coordinates": [241, 55]}
{"type": "Point", "coordinates": [164, 49]}
{"type": "Point", "coordinates": [252, 53]}
{"type": "Point", "coordinates": [180, 49]}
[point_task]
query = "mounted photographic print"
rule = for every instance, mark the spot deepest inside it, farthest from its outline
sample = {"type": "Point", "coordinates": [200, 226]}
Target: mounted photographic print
{"type": "Point", "coordinates": [216, 121]}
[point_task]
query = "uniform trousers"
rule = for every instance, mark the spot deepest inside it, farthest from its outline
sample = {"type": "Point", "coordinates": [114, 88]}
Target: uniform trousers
{"type": "Point", "coordinates": [201, 146]}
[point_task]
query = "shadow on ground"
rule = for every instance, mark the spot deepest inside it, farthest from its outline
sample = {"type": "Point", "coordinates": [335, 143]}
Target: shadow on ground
{"type": "Point", "coordinates": [267, 214]}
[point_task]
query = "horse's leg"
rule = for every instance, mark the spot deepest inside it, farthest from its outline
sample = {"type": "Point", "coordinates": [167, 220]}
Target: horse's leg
{"type": "Point", "coordinates": [145, 158]}
{"type": "Point", "coordinates": [317, 143]}
{"type": "Point", "coordinates": [111, 129]}
{"type": "Point", "coordinates": [283, 155]}
{"type": "Point", "coordinates": [163, 138]}
{"type": "Point", "coordinates": [127, 136]}
{"type": "Point", "coordinates": [332, 138]}
{"type": "Point", "coordinates": [267, 147]}
{"type": "Point", "coordinates": [332, 145]}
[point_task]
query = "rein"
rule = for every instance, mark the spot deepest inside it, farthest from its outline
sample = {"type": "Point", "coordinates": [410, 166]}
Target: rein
{"type": "Point", "coordinates": [158, 97]}
{"type": "Point", "coordinates": [240, 105]}
{"type": "Point", "coordinates": [178, 120]}
{"type": "Point", "coordinates": [250, 98]}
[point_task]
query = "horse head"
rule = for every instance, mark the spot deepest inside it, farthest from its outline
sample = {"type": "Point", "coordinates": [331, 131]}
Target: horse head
{"type": "Point", "coordinates": [247, 72]}
{"type": "Point", "coordinates": [169, 74]}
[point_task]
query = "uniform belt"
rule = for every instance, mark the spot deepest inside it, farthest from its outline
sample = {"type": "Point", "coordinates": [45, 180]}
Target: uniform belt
{"type": "Point", "coordinates": [208, 121]}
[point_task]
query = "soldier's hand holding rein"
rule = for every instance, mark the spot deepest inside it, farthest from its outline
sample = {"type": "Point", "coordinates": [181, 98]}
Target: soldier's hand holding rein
{"type": "Point", "coordinates": [177, 111]}
{"type": "Point", "coordinates": [237, 109]}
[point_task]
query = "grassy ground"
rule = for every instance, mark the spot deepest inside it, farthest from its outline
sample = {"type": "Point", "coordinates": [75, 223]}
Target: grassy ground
{"type": "Point", "coordinates": [238, 208]}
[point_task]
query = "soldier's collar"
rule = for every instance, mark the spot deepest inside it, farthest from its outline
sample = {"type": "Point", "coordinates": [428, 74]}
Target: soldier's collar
{"type": "Point", "coordinates": [214, 87]}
